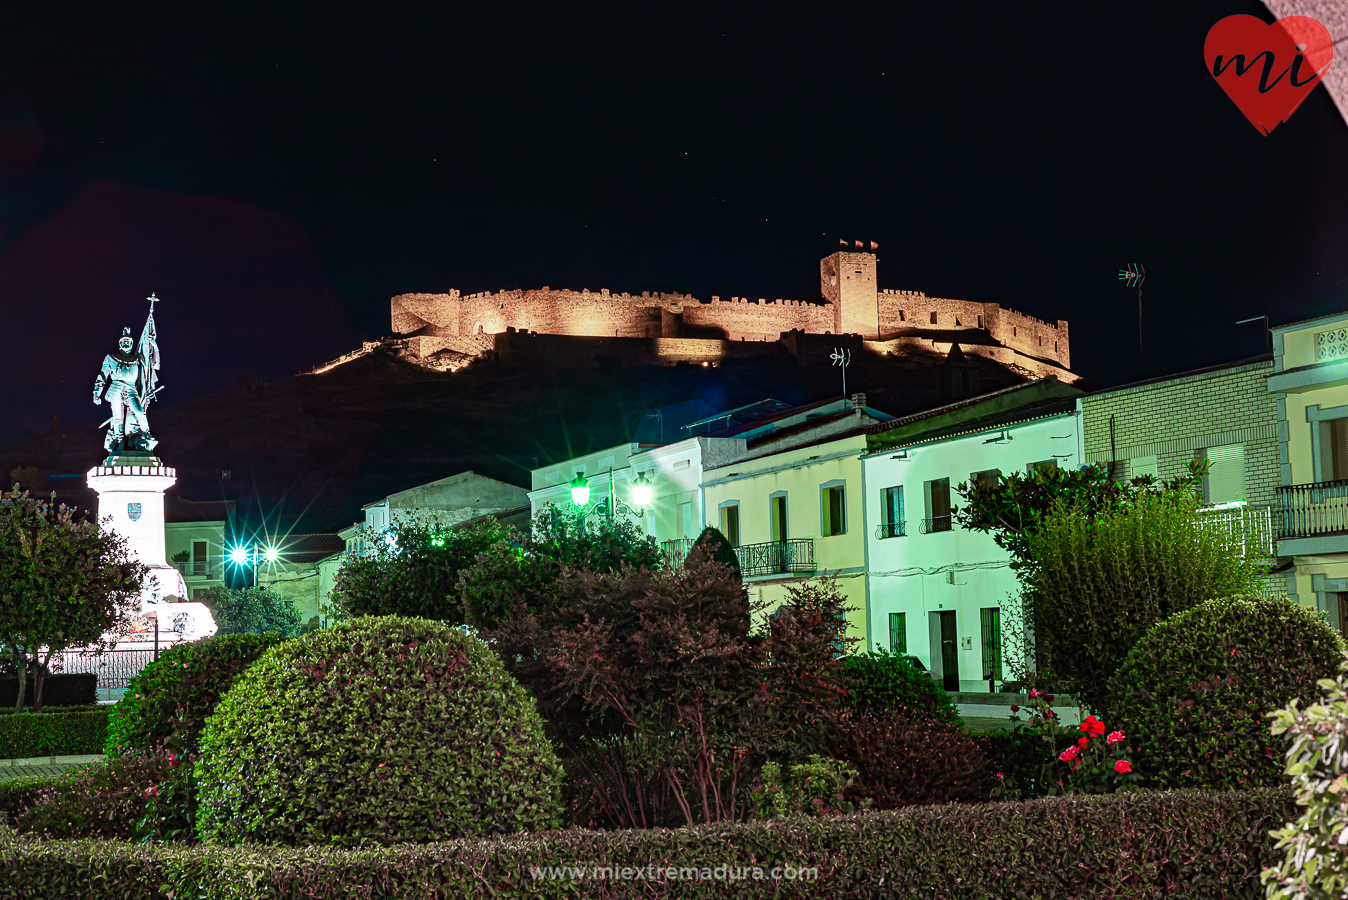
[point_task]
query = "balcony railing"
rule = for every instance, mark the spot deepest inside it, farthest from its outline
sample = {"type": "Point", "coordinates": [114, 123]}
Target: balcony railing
{"type": "Point", "coordinates": [1309, 510]}
{"type": "Point", "coordinates": [1249, 528]}
{"type": "Point", "coordinates": [935, 523]}
{"type": "Point", "coordinates": [676, 551]}
{"type": "Point", "coordinates": [890, 529]}
{"type": "Point", "coordinates": [196, 568]}
{"type": "Point", "coordinates": [776, 557]}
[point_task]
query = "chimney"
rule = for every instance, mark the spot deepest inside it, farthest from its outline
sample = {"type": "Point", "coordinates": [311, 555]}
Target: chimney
{"type": "Point", "coordinates": [859, 404]}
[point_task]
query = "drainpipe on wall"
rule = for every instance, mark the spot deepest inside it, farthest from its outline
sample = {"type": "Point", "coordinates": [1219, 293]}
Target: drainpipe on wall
{"type": "Point", "coordinates": [1113, 453]}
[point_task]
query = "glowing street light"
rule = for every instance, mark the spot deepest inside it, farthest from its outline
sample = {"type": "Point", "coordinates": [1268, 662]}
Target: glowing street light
{"type": "Point", "coordinates": [610, 505]}
{"type": "Point", "coordinates": [641, 490]}
{"type": "Point", "coordinates": [252, 555]}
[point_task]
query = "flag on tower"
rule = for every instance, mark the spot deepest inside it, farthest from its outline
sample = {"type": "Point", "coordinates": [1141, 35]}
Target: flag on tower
{"type": "Point", "coordinates": [874, 245]}
{"type": "Point", "coordinates": [842, 243]}
{"type": "Point", "coordinates": [859, 244]}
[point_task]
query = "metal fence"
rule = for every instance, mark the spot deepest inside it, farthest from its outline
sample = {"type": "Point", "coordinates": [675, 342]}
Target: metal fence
{"type": "Point", "coordinates": [1249, 528]}
{"type": "Point", "coordinates": [114, 668]}
{"type": "Point", "coordinates": [1306, 510]}
{"type": "Point", "coordinates": [676, 551]}
{"type": "Point", "coordinates": [776, 557]}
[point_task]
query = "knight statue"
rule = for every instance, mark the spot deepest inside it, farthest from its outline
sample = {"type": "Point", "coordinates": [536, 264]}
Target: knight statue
{"type": "Point", "coordinates": [127, 382]}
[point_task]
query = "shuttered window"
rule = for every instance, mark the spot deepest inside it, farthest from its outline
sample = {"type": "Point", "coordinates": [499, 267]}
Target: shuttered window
{"type": "Point", "coordinates": [1338, 452]}
{"type": "Point", "coordinates": [1226, 477]}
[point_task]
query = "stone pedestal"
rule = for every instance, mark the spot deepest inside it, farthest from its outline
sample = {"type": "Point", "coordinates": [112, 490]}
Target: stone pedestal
{"type": "Point", "coordinates": [131, 491]}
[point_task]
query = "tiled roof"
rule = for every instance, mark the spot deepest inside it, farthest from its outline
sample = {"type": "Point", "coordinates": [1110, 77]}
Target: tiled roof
{"type": "Point", "coordinates": [181, 510]}
{"type": "Point", "coordinates": [1001, 419]}
{"type": "Point", "coordinates": [881, 427]}
{"type": "Point", "coordinates": [309, 548]}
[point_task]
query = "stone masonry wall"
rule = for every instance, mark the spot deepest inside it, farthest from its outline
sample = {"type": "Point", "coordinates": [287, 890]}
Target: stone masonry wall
{"type": "Point", "coordinates": [1171, 419]}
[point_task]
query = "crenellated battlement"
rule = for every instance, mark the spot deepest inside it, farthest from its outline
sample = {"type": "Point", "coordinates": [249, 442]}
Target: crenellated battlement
{"type": "Point", "coordinates": [852, 304]}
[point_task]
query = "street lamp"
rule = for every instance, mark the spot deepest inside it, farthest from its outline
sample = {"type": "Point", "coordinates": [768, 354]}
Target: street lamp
{"type": "Point", "coordinates": [252, 555]}
{"type": "Point", "coordinates": [608, 506]}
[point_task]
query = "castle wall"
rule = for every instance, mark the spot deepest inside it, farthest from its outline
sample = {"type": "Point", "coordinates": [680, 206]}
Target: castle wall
{"type": "Point", "coordinates": [434, 317]}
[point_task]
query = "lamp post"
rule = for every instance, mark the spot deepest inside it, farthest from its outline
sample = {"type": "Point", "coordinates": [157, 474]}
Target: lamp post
{"type": "Point", "coordinates": [612, 504]}
{"type": "Point", "coordinates": [251, 555]}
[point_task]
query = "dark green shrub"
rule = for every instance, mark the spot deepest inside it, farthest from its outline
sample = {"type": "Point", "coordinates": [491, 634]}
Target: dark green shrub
{"type": "Point", "coordinates": [817, 787]}
{"type": "Point", "coordinates": [1194, 695]}
{"type": "Point", "coordinates": [1203, 845]}
{"type": "Point", "coordinates": [67, 733]}
{"type": "Point", "coordinates": [167, 702]}
{"type": "Point", "coordinates": [880, 681]}
{"type": "Point", "coordinates": [1021, 757]}
{"type": "Point", "coordinates": [904, 758]}
{"type": "Point", "coordinates": [104, 799]}
{"type": "Point", "coordinates": [412, 569]}
{"type": "Point", "coordinates": [250, 611]}
{"type": "Point", "coordinates": [716, 546]}
{"type": "Point", "coordinates": [378, 730]}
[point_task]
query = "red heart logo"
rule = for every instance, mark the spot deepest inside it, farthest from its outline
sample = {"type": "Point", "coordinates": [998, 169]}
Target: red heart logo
{"type": "Point", "coordinates": [1268, 69]}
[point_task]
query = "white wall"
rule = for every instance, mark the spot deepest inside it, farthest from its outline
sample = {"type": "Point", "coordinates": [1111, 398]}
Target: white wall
{"type": "Point", "coordinates": [913, 574]}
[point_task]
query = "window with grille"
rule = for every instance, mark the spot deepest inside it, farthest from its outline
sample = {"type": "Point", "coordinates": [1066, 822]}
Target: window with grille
{"type": "Point", "coordinates": [937, 496]}
{"type": "Point", "coordinates": [992, 642]}
{"type": "Point", "coordinates": [898, 634]}
{"type": "Point", "coordinates": [986, 478]}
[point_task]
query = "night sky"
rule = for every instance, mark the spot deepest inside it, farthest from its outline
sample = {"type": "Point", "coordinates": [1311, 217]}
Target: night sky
{"type": "Point", "coordinates": [276, 171]}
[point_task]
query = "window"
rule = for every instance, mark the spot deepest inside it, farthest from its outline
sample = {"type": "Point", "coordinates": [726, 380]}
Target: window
{"type": "Point", "coordinates": [1143, 465]}
{"type": "Point", "coordinates": [833, 510]}
{"type": "Point", "coordinates": [777, 509]}
{"type": "Point", "coordinates": [686, 520]}
{"type": "Point", "coordinates": [1335, 458]}
{"type": "Point", "coordinates": [199, 558]}
{"type": "Point", "coordinates": [937, 496]}
{"type": "Point", "coordinates": [1043, 465]}
{"type": "Point", "coordinates": [891, 508]}
{"type": "Point", "coordinates": [900, 315]}
{"type": "Point", "coordinates": [933, 317]}
{"type": "Point", "coordinates": [980, 321]}
{"type": "Point", "coordinates": [730, 522]}
{"type": "Point", "coordinates": [1225, 481]}
{"type": "Point", "coordinates": [1013, 331]}
{"type": "Point", "coordinates": [986, 478]}
{"type": "Point", "coordinates": [992, 643]}
{"type": "Point", "coordinates": [898, 634]}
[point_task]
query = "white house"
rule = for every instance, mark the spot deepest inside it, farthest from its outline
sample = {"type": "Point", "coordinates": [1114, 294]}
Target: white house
{"type": "Point", "coordinates": [935, 590]}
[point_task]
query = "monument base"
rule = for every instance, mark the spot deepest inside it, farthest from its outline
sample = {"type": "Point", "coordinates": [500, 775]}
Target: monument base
{"type": "Point", "coordinates": [130, 490]}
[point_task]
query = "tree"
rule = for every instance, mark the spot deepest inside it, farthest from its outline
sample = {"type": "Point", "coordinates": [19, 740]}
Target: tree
{"type": "Point", "coordinates": [520, 573]}
{"type": "Point", "coordinates": [250, 611]}
{"type": "Point", "coordinates": [1100, 582]}
{"type": "Point", "coordinates": [412, 569]}
{"type": "Point", "coordinates": [719, 548]}
{"type": "Point", "coordinates": [64, 582]}
{"type": "Point", "coordinates": [1014, 506]}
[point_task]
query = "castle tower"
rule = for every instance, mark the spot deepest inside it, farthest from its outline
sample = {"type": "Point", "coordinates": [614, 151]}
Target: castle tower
{"type": "Point", "coordinates": [847, 281]}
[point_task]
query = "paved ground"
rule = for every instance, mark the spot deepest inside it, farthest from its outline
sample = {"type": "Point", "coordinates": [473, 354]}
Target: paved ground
{"type": "Point", "coordinates": [42, 766]}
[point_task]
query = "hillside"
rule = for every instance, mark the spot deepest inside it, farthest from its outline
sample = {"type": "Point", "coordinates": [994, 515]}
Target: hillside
{"type": "Point", "coordinates": [308, 451]}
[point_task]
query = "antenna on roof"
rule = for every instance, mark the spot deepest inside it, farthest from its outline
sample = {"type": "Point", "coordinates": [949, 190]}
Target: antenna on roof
{"type": "Point", "coordinates": [841, 357]}
{"type": "Point", "coordinates": [1268, 335]}
{"type": "Point", "coordinates": [1133, 275]}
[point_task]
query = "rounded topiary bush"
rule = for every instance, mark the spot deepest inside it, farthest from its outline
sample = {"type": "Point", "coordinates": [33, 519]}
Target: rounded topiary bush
{"type": "Point", "coordinates": [1194, 694]}
{"type": "Point", "coordinates": [167, 702]}
{"type": "Point", "coordinates": [879, 682]}
{"type": "Point", "coordinates": [376, 731]}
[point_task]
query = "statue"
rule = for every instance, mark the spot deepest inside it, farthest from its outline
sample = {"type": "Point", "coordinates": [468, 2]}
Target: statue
{"type": "Point", "coordinates": [128, 382]}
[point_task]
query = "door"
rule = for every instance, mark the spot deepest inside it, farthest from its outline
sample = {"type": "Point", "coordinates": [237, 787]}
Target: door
{"type": "Point", "coordinates": [1343, 612]}
{"type": "Point", "coordinates": [950, 659]}
{"type": "Point", "coordinates": [199, 558]}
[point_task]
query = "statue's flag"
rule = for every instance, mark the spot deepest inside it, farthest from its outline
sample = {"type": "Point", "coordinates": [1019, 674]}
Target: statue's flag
{"type": "Point", "coordinates": [148, 352]}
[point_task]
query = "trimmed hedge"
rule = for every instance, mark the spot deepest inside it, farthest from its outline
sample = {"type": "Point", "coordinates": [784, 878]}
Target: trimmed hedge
{"type": "Point", "coordinates": [379, 730]}
{"type": "Point", "coordinates": [77, 689]}
{"type": "Point", "coordinates": [880, 681]}
{"type": "Point", "coordinates": [167, 702]}
{"type": "Point", "coordinates": [71, 733]}
{"type": "Point", "coordinates": [1173, 844]}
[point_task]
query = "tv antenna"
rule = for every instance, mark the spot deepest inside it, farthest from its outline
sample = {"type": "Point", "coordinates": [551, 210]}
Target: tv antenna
{"type": "Point", "coordinates": [1133, 275]}
{"type": "Point", "coordinates": [841, 357]}
{"type": "Point", "coordinates": [1268, 335]}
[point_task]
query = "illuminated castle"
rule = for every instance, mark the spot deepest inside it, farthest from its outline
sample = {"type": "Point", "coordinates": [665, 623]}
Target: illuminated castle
{"type": "Point", "coordinates": [447, 331]}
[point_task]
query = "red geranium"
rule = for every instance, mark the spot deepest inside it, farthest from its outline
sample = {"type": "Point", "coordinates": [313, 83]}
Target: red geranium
{"type": "Point", "coordinates": [1123, 767]}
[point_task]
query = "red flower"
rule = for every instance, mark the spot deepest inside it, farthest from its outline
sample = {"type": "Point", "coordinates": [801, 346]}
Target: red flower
{"type": "Point", "coordinates": [999, 774]}
{"type": "Point", "coordinates": [1082, 742]}
{"type": "Point", "coordinates": [1115, 737]}
{"type": "Point", "coordinates": [1123, 767]}
{"type": "Point", "coordinates": [1048, 697]}
{"type": "Point", "coordinates": [1092, 726]}
{"type": "Point", "coordinates": [1069, 754]}
{"type": "Point", "coordinates": [1015, 708]}
{"type": "Point", "coordinates": [1033, 693]}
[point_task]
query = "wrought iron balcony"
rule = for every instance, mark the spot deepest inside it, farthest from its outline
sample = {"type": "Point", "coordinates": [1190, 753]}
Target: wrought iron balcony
{"type": "Point", "coordinates": [196, 568]}
{"type": "Point", "coordinates": [935, 523]}
{"type": "Point", "coordinates": [676, 551]}
{"type": "Point", "coordinates": [1249, 528]}
{"type": "Point", "coordinates": [776, 557]}
{"type": "Point", "coordinates": [1312, 510]}
{"type": "Point", "coordinates": [891, 529]}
